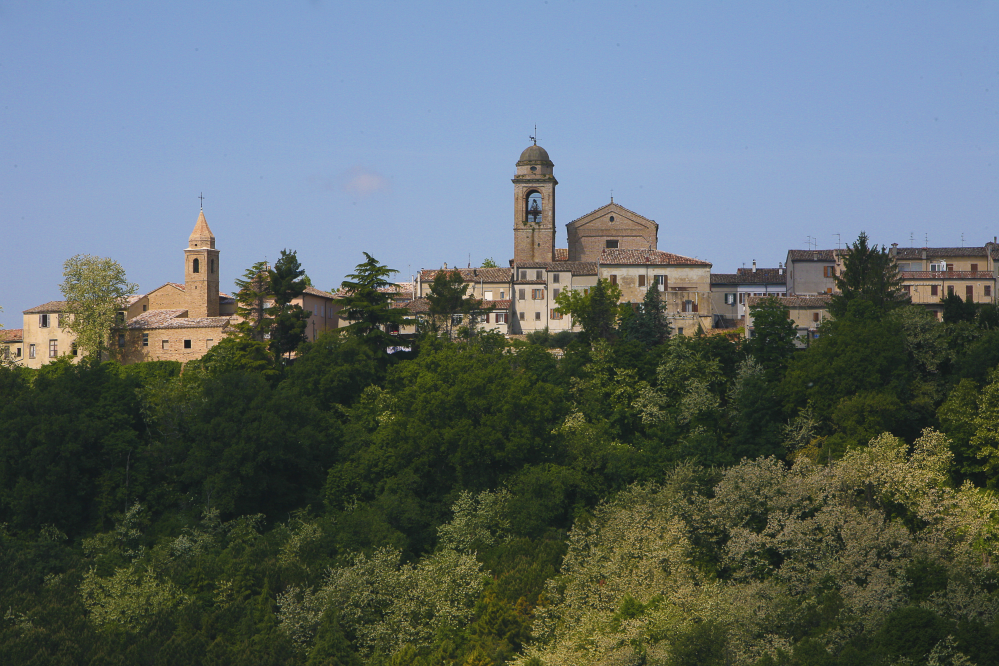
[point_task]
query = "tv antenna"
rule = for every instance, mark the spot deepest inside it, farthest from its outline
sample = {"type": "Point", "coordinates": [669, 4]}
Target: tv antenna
{"type": "Point", "coordinates": [912, 240]}
{"type": "Point", "coordinates": [839, 241]}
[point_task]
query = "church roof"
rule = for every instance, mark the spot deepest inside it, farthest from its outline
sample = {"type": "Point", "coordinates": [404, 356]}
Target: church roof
{"type": "Point", "coordinates": [201, 235]}
{"type": "Point", "coordinates": [644, 257]}
{"type": "Point", "coordinates": [615, 205]}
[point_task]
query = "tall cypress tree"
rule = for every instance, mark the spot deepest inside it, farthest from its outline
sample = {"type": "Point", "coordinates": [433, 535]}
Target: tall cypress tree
{"type": "Point", "coordinates": [251, 302]}
{"type": "Point", "coordinates": [869, 274]}
{"type": "Point", "coordinates": [286, 284]}
{"type": "Point", "coordinates": [368, 307]}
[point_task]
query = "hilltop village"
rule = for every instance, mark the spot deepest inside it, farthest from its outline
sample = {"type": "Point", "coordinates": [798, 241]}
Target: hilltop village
{"type": "Point", "coordinates": [181, 321]}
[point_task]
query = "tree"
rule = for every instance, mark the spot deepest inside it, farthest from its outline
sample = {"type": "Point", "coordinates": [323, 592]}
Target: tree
{"type": "Point", "coordinates": [286, 284]}
{"type": "Point", "coordinates": [368, 307]}
{"type": "Point", "coordinates": [772, 343]}
{"type": "Point", "coordinates": [649, 326]}
{"type": "Point", "coordinates": [870, 274]}
{"type": "Point", "coordinates": [488, 263]}
{"type": "Point", "coordinates": [251, 302]}
{"type": "Point", "coordinates": [449, 304]}
{"type": "Point", "coordinates": [956, 309]}
{"type": "Point", "coordinates": [596, 311]}
{"type": "Point", "coordinates": [96, 290]}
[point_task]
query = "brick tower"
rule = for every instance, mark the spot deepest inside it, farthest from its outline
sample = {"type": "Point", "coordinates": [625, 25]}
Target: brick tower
{"type": "Point", "coordinates": [201, 271]}
{"type": "Point", "coordinates": [534, 207]}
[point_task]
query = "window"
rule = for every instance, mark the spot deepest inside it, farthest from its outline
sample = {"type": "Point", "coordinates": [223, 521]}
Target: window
{"type": "Point", "coordinates": [969, 292]}
{"type": "Point", "coordinates": [556, 314]}
{"type": "Point", "coordinates": [196, 266]}
{"type": "Point", "coordinates": [537, 316]}
{"type": "Point", "coordinates": [212, 264]}
{"type": "Point", "coordinates": [937, 266]}
{"type": "Point", "coordinates": [502, 295]}
{"type": "Point", "coordinates": [166, 344]}
{"type": "Point", "coordinates": [610, 244]}
{"type": "Point", "coordinates": [187, 344]}
{"type": "Point", "coordinates": [974, 268]}
{"type": "Point", "coordinates": [121, 341]}
{"type": "Point", "coordinates": [815, 316]}
{"type": "Point", "coordinates": [145, 307]}
{"type": "Point", "coordinates": [31, 351]}
{"type": "Point", "coordinates": [555, 278]}
{"type": "Point", "coordinates": [729, 299]}
{"type": "Point", "coordinates": [523, 275]}
{"type": "Point", "coordinates": [987, 290]}
{"type": "Point", "coordinates": [688, 306]}
{"type": "Point", "coordinates": [907, 289]}
{"type": "Point", "coordinates": [488, 296]}
{"type": "Point", "coordinates": [145, 339]}
{"type": "Point", "coordinates": [679, 331]}
{"type": "Point", "coordinates": [828, 271]}
{"type": "Point", "coordinates": [456, 319]}
{"type": "Point", "coordinates": [521, 316]}
{"type": "Point", "coordinates": [501, 317]}
{"type": "Point", "coordinates": [17, 352]}
{"type": "Point", "coordinates": [555, 292]}
{"type": "Point", "coordinates": [119, 318]}
{"type": "Point", "coordinates": [950, 267]}
{"type": "Point", "coordinates": [661, 279]}
{"type": "Point", "coordinates": [641, 280]}
{"type": "Point", "coordinates": [613, 279]}
{"type": "Point", "coordinates": [934, 290]}
{"type": "Point", "coordinates": [521, 294]}
{"type": "Point", "coordinates": [53, 348]}
{"type": "Point", "coordinates": [43, 321]}
{"type": "Point", "coordinates": [537, 294]}
{"type": "Point", "coordinates": [538, 275]}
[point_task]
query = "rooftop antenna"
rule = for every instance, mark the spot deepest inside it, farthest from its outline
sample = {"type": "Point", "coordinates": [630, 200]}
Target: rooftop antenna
{"type": "Point", "coordinates": [926, 240]}
{"type": "Point", "coordinates": [962, 240]}
{"type": "Point", "coordinates": [912, 241]}
{"type": "Point", "coordinates": [839, 241]}
{"type": "Point", "coordinates": [612, 195]}
{"type": "Point", "coordinates": [202, 197]}
{"type": "Point", "coordinates": [535, 137]}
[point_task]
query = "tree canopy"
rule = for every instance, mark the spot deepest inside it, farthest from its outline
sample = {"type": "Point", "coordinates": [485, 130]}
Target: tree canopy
{"type": "Point", "coordinates": [367, 304]}
{"type": "Point", "coordinates": [870, 274]}
{"type": "Point", "coordinates": [96, 290]}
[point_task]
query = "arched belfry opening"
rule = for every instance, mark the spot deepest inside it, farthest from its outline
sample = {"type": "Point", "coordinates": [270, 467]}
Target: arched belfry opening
{"type": "Point", "coordinates": [196, 266]}
{"type": "Point", "coordinates": [534, 207]}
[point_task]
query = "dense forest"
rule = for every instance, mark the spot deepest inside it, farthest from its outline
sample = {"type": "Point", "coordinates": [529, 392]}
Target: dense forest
{"type": "Point", "coordinates": [620, 496]}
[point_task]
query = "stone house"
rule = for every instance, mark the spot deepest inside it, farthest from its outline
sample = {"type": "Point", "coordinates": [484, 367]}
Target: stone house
{"type": "Point", "coordinates": [730, 291]}
{"type": "Point", "coordinates": [12, 345]}
{"type": "Point", "coordinates": [807, 313]}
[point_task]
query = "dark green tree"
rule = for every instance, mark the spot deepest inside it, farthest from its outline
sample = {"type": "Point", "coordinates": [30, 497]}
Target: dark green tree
{"type": "Point", "coordinates": [869, 274]}
{"type": "Point", "coordinates": [772, 343]}
{"type": "Point", "coordinates": [287, 284]}
{"type": "Point", "coordinates": [596, 311]}
{"type": "Point", "coordinates": [253, 292]}
{"type": "Point", "coordinates": [649, 325]}
{"type": "Point", "coordinates": [368, 306]}
{"type": "Point", "coordinates": [957, 309]}
{"type": "Point", "coordinates": [449, 304]}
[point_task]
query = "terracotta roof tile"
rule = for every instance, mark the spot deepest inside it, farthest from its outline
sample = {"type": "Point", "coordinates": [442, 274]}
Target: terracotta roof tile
{"type": "Point", "coordinates": [164, 319]}
{"type": "Point", "coordinates": [51, 306]}
{"type": "Point", "coordinates": [747, 276]}
{"type": "Point", "coordinates": [312, 291]}
{"type": "Point", "coordinates": [617, 205]}
{"type": "Point", "coordinates": [561, 254]}
{"type": "Point", "coordinates": [646, 257]}
{"type": "Point", "coordinates": [949, 275]}
{"type": "Point", "coordinates": [795, 301]}
{"type": "Point", "coordinates": [12, 335]}
{"type": "Point", "coordinates": [471, 274]}
{"type": "Point", "coordinates": [811, 255]}
{"type": "Point", "coordinates": [934, 252]}
{"type": "Point", "coordinates": [574, 267]}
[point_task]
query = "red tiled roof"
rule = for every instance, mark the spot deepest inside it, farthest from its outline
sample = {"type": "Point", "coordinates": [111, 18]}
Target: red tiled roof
{"type": "Point", "coordinates": [12, 335]}
{"type": "Point", "coordinates": [312, 291]}
{"type": "Point", "coordinates": [163, 319]}
{"type": "Point", "coordinates": [471, 274]}
{"type": "Point", "coordinates": [51, 306]}
{"type": "Point", "coordinates": [644, 257]}
{"type": "Point", "coordinates": [811, 255]}
{"type": "Point", "coordinates": [795, 301]}
{"type": "Point", "coordinates": [936, 252]}
{"type": "Point", "coordinates": [747, 276]}
{"type": "Point", "coordinates": [561, 254]}
{"type": "Point", "coordinates": [574, 267]}
{"type": "Point", "coordinates": [947, 275]}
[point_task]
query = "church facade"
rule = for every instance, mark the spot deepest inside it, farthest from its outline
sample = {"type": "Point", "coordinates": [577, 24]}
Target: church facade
{"type": "Point", "coordinates": [610, 243]}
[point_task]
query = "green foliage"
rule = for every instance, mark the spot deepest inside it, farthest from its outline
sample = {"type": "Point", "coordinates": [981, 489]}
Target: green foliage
{"type": "Point", "coordinates": [774, 334]}
{"type": "Point", "coordinates": [649, 326]}
{"type": "Point", "coordinates": [596, 311]}
{"type": "Point", "coordinates": [287, 330]}
{"type": "Point", "coordinates": [869, 274]}
{"type": "Point", "coordinates": [252, 295]}
{"type": "Point", "coordinates": [956, 309]}
{"type": "Point", "coordinates": [368, 307]}
{"type": "Point", "coordinates": [96, 290]}
{"type": "Point", "coordinates": [449, 306]}
{"type": "Point", "coordinates": [488, 263]}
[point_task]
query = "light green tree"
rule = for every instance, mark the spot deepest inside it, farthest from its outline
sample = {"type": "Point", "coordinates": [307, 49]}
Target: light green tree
{"type": "Point", "coordinates": [96, 290]}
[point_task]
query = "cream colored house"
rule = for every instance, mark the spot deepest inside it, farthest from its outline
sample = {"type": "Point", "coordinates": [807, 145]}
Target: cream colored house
{"type": "Point", "coordinates": [807, 313]}
{"type": "Point", "coordinates": [12, 345]}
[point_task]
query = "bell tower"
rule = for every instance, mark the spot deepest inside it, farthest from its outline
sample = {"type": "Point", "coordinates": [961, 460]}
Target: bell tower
{"type": "Point", "coordinates": [201, 271]}
{"type": "Point", "coordinates": [534, 206]}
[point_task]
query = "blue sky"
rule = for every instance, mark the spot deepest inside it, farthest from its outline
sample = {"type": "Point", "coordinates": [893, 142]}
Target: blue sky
{"type": "Point", "coordinates": [333, 128]}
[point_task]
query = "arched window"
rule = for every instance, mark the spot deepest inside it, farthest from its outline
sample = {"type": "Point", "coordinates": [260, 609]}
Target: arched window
{"type": "Point", "coordinates": [534, 207]}
{"type": "Point", "coordinates": [196, 266]}
{"type": "Point", "coordinates": [213, 267]}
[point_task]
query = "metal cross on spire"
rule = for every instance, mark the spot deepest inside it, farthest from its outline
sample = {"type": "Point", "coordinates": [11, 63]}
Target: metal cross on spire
{"type": "Point", "coordinates": [535, 137]}
{"type": "Point", "coordinates": [202, 197]}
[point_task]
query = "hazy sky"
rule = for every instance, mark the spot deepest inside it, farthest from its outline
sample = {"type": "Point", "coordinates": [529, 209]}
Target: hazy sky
{"type": "Point", "coordinates": [333, 128]}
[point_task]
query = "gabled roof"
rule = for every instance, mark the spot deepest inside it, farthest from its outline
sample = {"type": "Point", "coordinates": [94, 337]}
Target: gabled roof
{"type": "Point", "coordinates": [747, 276]}
{"type": "Point", "coordinates": [167, 319]}
{"type": "Point", "coordinates": [615, 206]}
{"type": "Point", "coordinates": [795, 301]}
{"type": "Point", "coordinates": [648, 257]}
{"type": "Point", "coordinates": [574, 267]}
{"type": "Point", "coordinates": [934, 252]}
{"type": "Point", "coordinates": [471, 274]}
{"type": "Point", "coordinates": [12, 335]}
{"type": "Point", "coordinates": [312, 291]}
{"type": "Point", "coordinates": [44, 308]}
{"type": "Point", "coordinates": [811, 255]}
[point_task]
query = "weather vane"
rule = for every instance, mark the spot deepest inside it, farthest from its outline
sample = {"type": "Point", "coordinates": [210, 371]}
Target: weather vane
{"type": "Point", "coordinates": [202, 197]}
{"type": "Point", "coordinates": [535, 137]}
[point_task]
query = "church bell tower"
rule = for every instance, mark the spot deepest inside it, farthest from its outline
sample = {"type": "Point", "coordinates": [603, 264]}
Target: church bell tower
{"type": "Point", "coordinates": [201, 271]}
{"type": "Point", "coordinates": [534, 206]}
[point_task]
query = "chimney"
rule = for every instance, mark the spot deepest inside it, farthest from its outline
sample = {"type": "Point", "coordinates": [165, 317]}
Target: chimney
{"type": "Point", "coordinates": [780, 269]}
{"type": "Point", "coordinates": [893, 252]}
{"type": "Point", "coordinates": [754, 265]}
